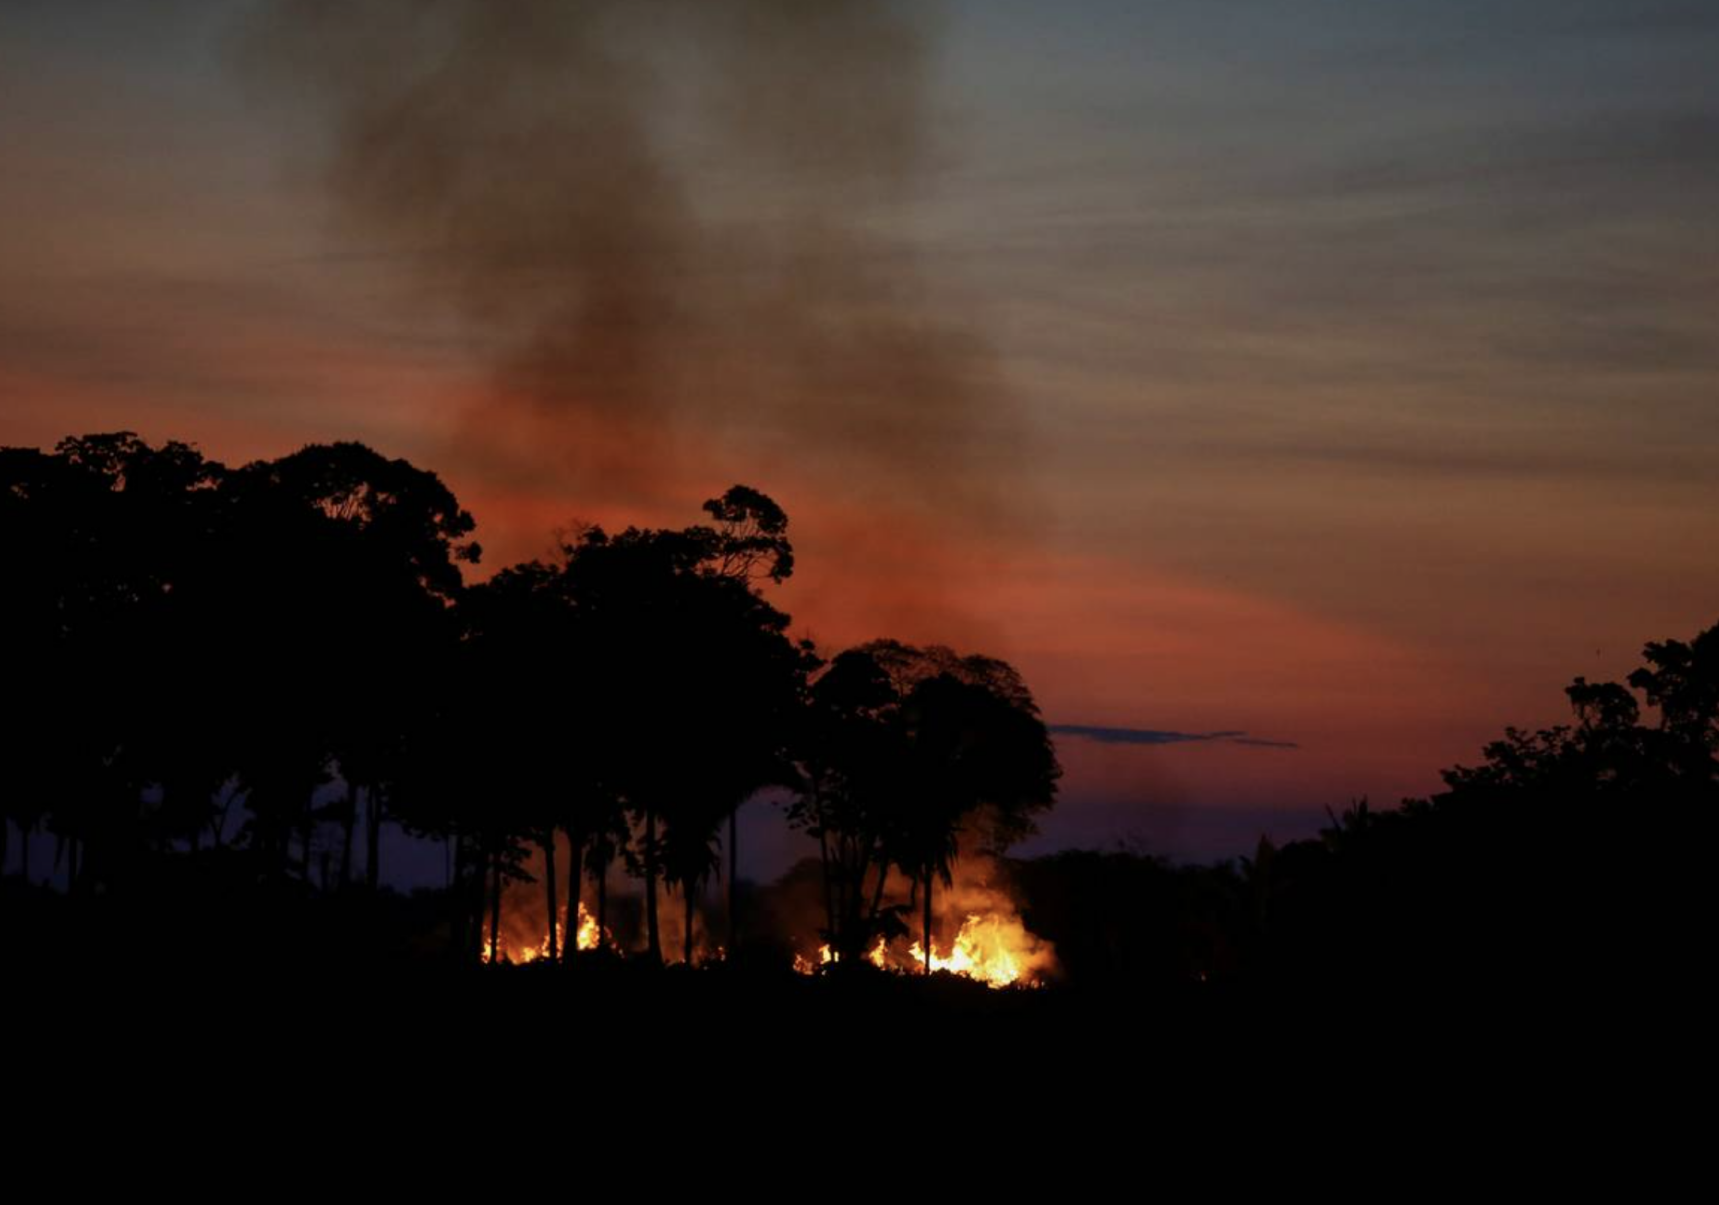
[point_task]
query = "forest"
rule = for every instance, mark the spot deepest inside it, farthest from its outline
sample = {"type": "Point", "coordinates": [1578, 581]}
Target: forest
{"type": "Point", "coordinates": [223, 684]}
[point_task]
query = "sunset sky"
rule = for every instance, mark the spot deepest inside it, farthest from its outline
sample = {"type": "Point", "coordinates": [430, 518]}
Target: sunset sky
{"type": "Point", "coordinates": [1296, 392]}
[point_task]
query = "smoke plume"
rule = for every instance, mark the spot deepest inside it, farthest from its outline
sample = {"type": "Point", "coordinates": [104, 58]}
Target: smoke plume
{"type": "Point", "coordinates": [674, 228]}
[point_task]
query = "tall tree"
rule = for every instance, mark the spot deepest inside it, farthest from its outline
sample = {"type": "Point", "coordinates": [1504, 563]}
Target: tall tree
{"type": "Point", "coordinates": [697, 677]}
{"type": "Point", "coordinates": [370, 552]}
{"type": "Point", "coordinates": [904, 750]}
{"type": "Point", "coordinates": [978, 758]}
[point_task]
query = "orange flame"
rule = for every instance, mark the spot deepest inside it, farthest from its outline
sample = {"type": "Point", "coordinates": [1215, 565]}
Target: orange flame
{"type": "Point", "coordinates": [994, 949]}
{"type": "Point", "coordinates": [586, 937]}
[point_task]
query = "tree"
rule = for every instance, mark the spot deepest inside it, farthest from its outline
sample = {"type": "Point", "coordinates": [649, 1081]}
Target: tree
{"type": "Point", "coordinates": [696, 679]}
{"type": "Point", "coordinates": [904, 750]}
{"type": "Point", "coordinates": [110, 541]}
{"type": "Point", "coordinates": [978, 757]}
{"type": "Point", "coordinates": [366, 553]}
{"type": "Point", "coordinates": [1578, 851]}
{"type": "Point", "coordinates": [849, 756]}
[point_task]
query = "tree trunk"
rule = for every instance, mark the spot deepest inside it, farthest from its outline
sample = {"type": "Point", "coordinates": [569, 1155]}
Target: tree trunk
{"type": "Point", "coordinates": [24, 847]}
{"type": "Point", "coordinates": [686, 939]}
{"type": "Point", "coordinates": [829, 889]}
{"type": "Point", "coordinates": [575, 860]}
{"type": "Point", "coordinates": [653, 935]}
{"type": "Point", "coordinates": [351, 823]}
{"type": "Point", "coordinates": [928, 875]}
{"type": "Point", "coordinates": [373, 837]}
{"type": "Point", "coordinates": [306, 823]}
{"type": "Point", "coordinates": [877, 895]}
{"type": "Point", "coordinates": [549, 880]}
{"type": "Point", "coordinates": [456, 891]}
{"type": "Point", "coordinates": [603, 898]}
{"type": "Point", "coordinates": [733, 879]}
{"type": "Point", "coordinates": [477, 895]}
{"type": "Point", "coordinates": [495, 913]}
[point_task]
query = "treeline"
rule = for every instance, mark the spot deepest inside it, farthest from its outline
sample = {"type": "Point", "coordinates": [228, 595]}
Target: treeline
{"type": "Point", "coordinates": [221, 683]}
{"type": "Point", "coordinates": [1580, 855]}
{"type": "Point", "coordinates": [212, 671]}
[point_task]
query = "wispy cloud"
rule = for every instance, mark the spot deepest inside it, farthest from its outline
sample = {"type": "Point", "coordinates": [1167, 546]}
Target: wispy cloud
{"type": "Point", "coordinates": [1157, 736]}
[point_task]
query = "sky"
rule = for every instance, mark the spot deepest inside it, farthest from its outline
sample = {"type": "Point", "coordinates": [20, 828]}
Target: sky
{"type": "Point", "coordinates": [1296, 392]}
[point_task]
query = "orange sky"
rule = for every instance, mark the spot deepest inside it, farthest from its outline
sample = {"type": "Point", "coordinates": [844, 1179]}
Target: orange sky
{"type": "Point", "coordinates": [1356, 400]}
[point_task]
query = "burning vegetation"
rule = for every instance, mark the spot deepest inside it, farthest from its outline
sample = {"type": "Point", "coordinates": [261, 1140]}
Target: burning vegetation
{"type": "Point", "coordinates": [978, 933]}
{"type": "Point", "coordinates": [995, 950]}
{"type": "Point", "coordinates": [586, 936]}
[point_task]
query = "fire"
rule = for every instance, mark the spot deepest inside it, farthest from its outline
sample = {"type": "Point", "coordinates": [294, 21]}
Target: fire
{"type": "Point", "coordinates": [995, 950]}
{"type": "Point", "coordinates": [988, 949]}
{"type": "Point", "coordinates": [879, 957]}
{"type": "Point", "coordinates": [586, 935]}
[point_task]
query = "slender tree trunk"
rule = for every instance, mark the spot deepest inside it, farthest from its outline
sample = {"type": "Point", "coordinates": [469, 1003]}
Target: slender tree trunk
{"type": "Point", "coordinates": [456, 892]}
{"type": "Point", "coordinates": [306, 824]}
{"type": "Point", "coordinates": [652, 933]}
{"type": "Point", "coordinates": [373, 837]}
{"type": "Point", "coordinates": [495, 913]}
{"type": "Point", "coordinates": [877, 895]}
{"type": "Point", "coordinates": [478, 891]}
{"type": "Point", "coordinates": [24, 846]}
{"type": "Point", "coordinates": [549, 880]}
{"type": "Point", "coordinates": [603, 898]}
{"type": "Point", "coordinates": [733, 879]}
{"type": "Point", "coordinates": [351, 824]}
{"type": "Point", "coordinates": [928, 875]}
{"type": "Point", "coordinates": [686, 939]}
{"type": "Point", "coordinates": [575, 860]}
{"type": "Point", "coordinates": [829, 889]}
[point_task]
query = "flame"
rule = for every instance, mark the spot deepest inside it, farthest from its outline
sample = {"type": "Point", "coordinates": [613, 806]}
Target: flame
{"type": "Point", "coordinates": [988, 949]}
{"type": "Point", "coordinates": [586, 935]}
{"type": "Point", "coordinates": [995, 950]}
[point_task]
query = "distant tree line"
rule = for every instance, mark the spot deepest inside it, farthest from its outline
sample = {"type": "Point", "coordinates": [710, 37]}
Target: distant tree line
{"type": "Point", "coordinates": [1580, 855]}
{"type": "Point", "coordinates": [222, 667]}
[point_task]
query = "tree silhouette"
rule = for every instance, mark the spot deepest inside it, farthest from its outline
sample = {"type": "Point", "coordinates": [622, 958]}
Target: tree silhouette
{"type": "Point", "coordinates": [387, 540]}
{"type": "Point", "coordinates": [850, 758]}
{"type": "Point", "coordinates": [976, 754]}
{"type": "Point", "coordinates": [903, 750]}
{"type": "Point", "coordinates": [687, 656]}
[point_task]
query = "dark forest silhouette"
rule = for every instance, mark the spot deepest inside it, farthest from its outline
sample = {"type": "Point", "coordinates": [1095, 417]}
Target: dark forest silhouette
{"type": "Point", "coordinates": [222, 683]}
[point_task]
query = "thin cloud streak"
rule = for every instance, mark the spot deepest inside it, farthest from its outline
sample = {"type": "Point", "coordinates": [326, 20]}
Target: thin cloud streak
{"type": "Point", "coordinates": [1156, 736]}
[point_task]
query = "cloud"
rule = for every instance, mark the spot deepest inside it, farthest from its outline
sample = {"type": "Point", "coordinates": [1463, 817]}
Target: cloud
{"type": "Point", "coordinates": [1155, 736]}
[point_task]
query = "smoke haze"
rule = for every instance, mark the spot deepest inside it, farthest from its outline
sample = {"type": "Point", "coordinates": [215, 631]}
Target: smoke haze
{"type": "Point", "coordinates": [671, 228]}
